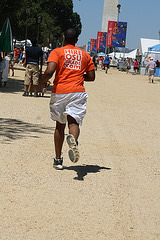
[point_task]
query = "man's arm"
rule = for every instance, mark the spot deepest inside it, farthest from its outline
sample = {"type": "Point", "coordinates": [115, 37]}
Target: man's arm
{"type": "Point", "coordinates": [89, 76]}
{"type": "Point", "coordinates": [25, 60]}
{"type": "Point", "coordinates": [41, 63]}
{"type": "Point", "coordinates": [51, 68]}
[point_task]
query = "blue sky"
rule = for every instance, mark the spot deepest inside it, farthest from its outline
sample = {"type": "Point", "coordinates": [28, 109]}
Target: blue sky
{"type": "Point", "coordinates": [142, 16]}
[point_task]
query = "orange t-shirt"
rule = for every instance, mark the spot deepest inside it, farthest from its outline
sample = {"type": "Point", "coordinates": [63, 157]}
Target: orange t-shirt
{"type": "Point", "coordinates": [72, 62]}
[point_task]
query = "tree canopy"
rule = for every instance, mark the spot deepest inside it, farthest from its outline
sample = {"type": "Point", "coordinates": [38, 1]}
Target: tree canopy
{"type": "Point", "coordinates": [55, 17]}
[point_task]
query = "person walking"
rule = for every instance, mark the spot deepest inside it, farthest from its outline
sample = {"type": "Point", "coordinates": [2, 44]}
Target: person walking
{"type": "Point", "coordinates": [151, 68]}
{"type": "Point", "coordinates": [34, 56]}
{"type": "Point", "coordinates": [136, 66]}
{"type": "Point", "coordinates": [107, 62]}
{"type": "Point", "coordinates": [68, 98]}
{"type": "Point", "coordinates": [95, 61]}
{"type": "Point", "coordinates": [16, 55]}
{"type": "Point", "coordinates": [128, 64]}
{"type": "Point", "coordinates": [157, 64]}
{"type": "Point", "coordinates": [100, 62]}
{"type": "Point", "coordinates": [23, 55]}
{"type": "Point", "coordinates": [11, 63]}
{"type": "Point", "coordinates": [20, 57]}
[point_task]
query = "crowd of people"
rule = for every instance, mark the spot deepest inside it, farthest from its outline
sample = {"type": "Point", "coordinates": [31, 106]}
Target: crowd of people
{"type": "Point", "coordinates": [124, 64]}
{"type": "Point", "coordinates": [9, 60]}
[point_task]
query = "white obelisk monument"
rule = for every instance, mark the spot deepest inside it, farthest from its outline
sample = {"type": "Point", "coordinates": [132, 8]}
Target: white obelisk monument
{"type": "Point", "coordinates": [110, 12]}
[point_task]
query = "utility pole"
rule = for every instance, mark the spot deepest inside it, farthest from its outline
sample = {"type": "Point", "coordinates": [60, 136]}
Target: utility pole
{"type": "Point", "coordinates": [119, 7]}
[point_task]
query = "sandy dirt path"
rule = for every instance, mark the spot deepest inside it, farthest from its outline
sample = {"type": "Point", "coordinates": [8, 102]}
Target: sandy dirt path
{"type": "Point", "coordinates": [112, 193]}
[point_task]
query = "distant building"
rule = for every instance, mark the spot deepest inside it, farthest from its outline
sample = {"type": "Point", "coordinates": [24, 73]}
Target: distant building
{"type": "Point", "coordinates": [110, 12]}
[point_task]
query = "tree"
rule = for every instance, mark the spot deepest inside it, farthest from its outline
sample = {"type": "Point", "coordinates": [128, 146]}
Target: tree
{"type": "Point", "coordinates": [56, 16]}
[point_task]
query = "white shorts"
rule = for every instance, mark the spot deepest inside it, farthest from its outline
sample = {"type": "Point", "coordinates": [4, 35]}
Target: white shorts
{"type": "Point", "coordinates": [73, 104]}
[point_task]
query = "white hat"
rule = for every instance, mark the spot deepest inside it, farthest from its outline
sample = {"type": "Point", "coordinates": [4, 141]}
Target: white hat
{"type": "Point", "coordinates": [151, 58]}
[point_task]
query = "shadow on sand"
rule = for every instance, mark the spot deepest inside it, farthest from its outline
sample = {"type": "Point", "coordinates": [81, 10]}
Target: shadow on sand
{"type": "Point", "coordinates": [13, 86]}
{"type": "Point", "coordinates": [13, 129]}
{"type": "Point", "coordinates": [84, 170]}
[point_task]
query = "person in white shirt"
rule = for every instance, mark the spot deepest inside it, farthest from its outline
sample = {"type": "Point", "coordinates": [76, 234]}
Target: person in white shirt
{"type": "Point", "coordinates": [151, 68]}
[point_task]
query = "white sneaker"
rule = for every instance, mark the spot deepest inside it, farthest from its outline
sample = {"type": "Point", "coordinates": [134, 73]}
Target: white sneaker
{"type": "Point", "coordinates": [58, 163]}
{"type": "Point", "coordinates": [73, 151]}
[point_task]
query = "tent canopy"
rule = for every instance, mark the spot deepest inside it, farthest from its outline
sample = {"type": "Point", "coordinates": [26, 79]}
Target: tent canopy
{"type": "Point", "coordinates": [101, 54]}
{"type": "Point", "coordinates": [155, 48]}
{"type": "Point", "coordinates": [131, 54]}
{"type": "Point", "coordinates": [145, 43]}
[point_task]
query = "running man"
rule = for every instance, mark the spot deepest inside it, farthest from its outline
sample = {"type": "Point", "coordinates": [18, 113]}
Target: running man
{"type": "Point", "coordinates": [73, 66]}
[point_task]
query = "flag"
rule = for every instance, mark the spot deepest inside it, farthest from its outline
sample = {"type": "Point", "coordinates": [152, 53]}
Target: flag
{"type": "Point", "coordinates": [6, 37]}
{"type": "Point", "coordinates": [116, 36]}
{"type": "Point", "coordinates": [93, 44]}
{"type": "Point", "coordinates": [88, 48]}
{"type": "Point", "coordinates": [101, 40]}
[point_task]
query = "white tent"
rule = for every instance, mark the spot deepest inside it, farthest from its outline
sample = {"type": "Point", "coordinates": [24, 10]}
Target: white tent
{"type": "Point", "coordinates": [131, 54]}
{"type": "Point", "coordinates": [116, 54]}
{"type": "Point", "coordinates": [144, 44]}
{"type": "Point", "coordinates": [22, 43]}
{"type": "Point", "coordinates": [124, 55]}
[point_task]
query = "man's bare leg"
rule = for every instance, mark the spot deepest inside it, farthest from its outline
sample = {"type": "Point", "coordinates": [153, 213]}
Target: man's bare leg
{"type": "Point", "coordinates": [149, 79]}
{"type": "Point", "coordinates": [35, 88]}
{"type": "Point", "coordinates": [26, 88]}
{"type": "Point", "coordinates": [73, 127]}
{"type": "Point", "coordinates": [59, 138]}
{"type": "Point", "coordinates": [72, 139]}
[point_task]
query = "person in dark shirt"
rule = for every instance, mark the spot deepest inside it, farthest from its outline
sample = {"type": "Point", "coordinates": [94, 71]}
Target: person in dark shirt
{"type": "Point", "coordinates": [157, 64]}
{"type": "Point", "coordinates": [34, 55]}
{"type": "Point", "coordinates": [95, 61]}
{"type": "Point", "coordinates": [107, 62]}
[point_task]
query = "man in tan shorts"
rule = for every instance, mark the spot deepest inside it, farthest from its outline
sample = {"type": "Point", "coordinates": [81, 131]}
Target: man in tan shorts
{"type": "Point", "coordinates": [34, 55]}
{"type": "Point", "coordinates": [151, 67]}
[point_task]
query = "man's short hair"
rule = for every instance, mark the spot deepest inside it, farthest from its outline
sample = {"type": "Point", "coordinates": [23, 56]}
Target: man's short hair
{"type": "Point", "coordinates": [34, 41]}
{"type": "Point", "coordinates": [71, 35]}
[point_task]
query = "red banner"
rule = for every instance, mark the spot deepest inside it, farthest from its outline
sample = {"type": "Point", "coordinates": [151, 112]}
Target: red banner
{"type": "Point", "coordinates": [93, 45]}
{"type": "Point", "coordinates": [101, 40]}
{"type": "Point", "coordinates": [110, 33]}
{"type": "Point", "coordinates": [99, 34]}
